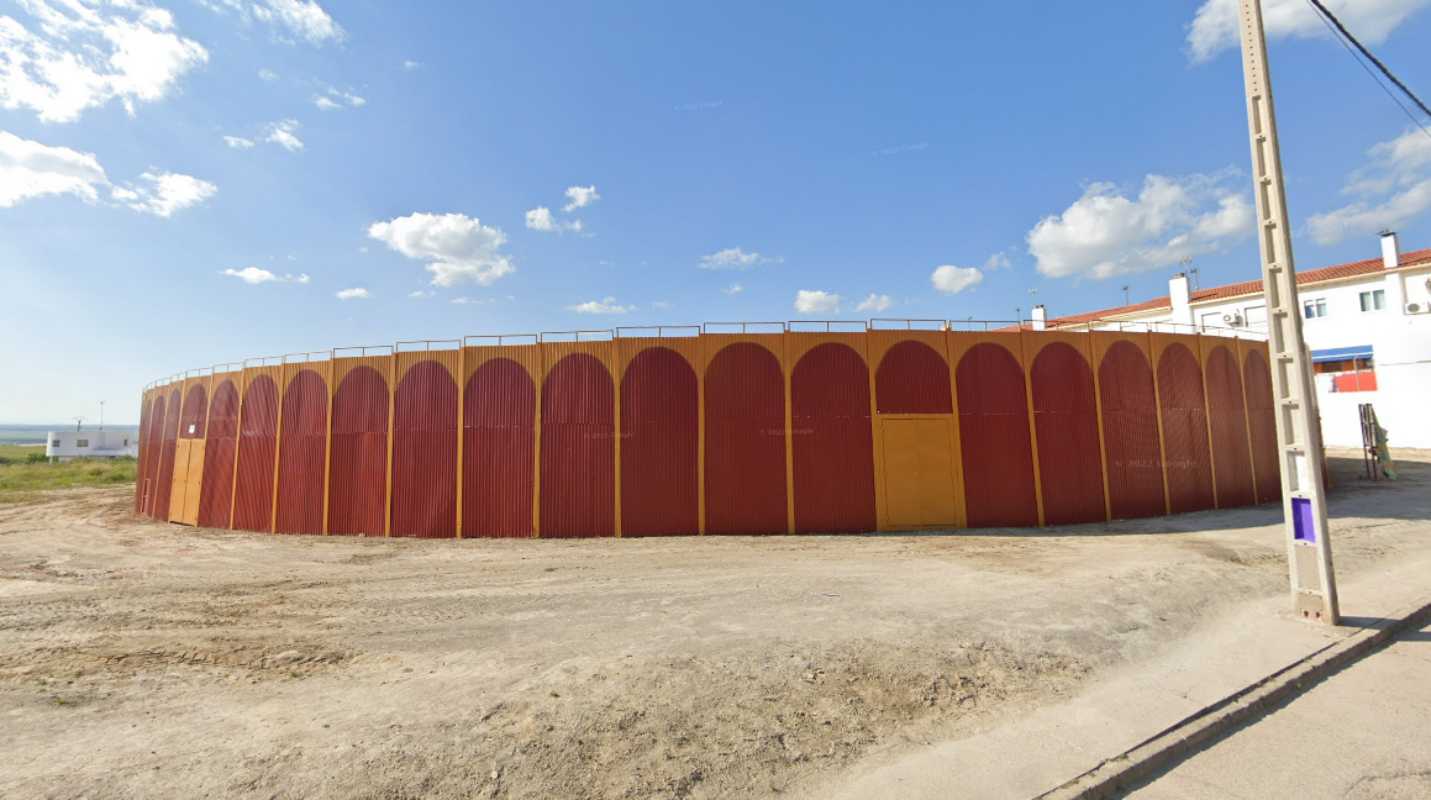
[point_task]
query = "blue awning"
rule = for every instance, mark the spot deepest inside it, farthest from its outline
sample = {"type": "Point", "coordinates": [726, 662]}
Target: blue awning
{"type": "Point", "coordinates": [1341, 353]}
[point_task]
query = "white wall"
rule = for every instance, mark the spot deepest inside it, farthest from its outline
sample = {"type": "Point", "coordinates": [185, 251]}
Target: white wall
{"type": "Point", "coordinates": [65, 445]}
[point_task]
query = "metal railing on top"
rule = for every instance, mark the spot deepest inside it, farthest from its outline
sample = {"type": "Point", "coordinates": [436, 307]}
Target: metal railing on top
{"type": "Point", "coordinates": [734, 328]}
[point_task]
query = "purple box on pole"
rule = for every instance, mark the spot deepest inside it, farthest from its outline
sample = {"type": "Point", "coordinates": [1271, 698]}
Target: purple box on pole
{"type": "Point", "coordinates": [1304, 527]}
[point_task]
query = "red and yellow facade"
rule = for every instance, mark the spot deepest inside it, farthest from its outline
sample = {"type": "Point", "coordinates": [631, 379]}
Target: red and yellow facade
{"type": "Point", "coordinates": [686, 432]}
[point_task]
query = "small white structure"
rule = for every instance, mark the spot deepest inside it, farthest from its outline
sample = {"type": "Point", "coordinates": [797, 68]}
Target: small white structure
{"type": "Point", "coordinates": [66, 445]}
{"type": "Point", "coordinates": [1367, 323]}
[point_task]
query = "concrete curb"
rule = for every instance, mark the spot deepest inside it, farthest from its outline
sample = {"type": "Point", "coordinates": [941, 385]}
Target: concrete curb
{"type": "Point", "coordinates": [1115, 776]}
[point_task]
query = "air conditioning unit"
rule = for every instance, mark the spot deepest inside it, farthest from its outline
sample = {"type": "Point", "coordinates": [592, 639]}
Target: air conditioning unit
{"type": "Point", "coordinates": [1232, 319]}
{"type": "Point", "coordinates": [1418, 308]}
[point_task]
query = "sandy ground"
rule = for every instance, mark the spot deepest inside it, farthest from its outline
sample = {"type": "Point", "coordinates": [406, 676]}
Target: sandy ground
{"type": "Point", "coordinates": [146, 660]}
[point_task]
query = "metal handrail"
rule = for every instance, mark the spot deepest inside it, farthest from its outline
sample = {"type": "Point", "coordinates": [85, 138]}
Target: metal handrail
{"type": "Point", "coordinates": [659, 329]}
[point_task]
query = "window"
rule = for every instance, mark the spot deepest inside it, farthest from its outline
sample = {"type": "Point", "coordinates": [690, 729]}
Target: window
{"type": "Point", "coordinates": [1312, 309]}
{"type": "Point", "coordinates": [81, 443]}
{"type": "Point", "coordinates": [1256, 316]}
{"type": "Point", "coordinates": [55, 443]}
{"type": "Point", "coordinates": [1212, 319]}
{"type": "Point", "coordinates": [1374, 300]}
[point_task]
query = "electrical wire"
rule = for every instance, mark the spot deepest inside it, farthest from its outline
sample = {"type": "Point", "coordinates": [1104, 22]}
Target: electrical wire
{"type": "Point", "coordinates": [1343, 36]}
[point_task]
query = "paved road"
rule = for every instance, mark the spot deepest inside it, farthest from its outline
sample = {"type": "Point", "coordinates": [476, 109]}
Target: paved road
{"type": "Point", "coordinates": [1363, 733]}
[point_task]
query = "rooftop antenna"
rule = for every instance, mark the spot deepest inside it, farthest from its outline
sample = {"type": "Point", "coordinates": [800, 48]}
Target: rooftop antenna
{"type": "Point", "coordinates": [79, 421]}
{"type": "Point", "coordinates": [1126, 301]}
{"type": "Point", "coordinates": [101, 415]}
{"type": "Point", "coordinates": [1189, 270]}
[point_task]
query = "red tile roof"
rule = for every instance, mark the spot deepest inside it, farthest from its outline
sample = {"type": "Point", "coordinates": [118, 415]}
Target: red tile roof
{"type": "Point", "coordinates": [1415, 258]}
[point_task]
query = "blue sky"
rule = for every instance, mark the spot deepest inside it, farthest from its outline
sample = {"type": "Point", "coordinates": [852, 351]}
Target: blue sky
{"type": "Point", "coordinates": [185, 182]}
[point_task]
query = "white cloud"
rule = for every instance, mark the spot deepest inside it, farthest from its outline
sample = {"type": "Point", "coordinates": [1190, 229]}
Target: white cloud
{"type": "Point", "coordinates": [334, 99]}
{"type": "Point", "coordinates": [355, 293]}
{"type": "Point", "coordinates": [733, 289]}
{"type": "Point", "coordinates": [606, 305]}
{"type": "Point", "coordinates": [895, 150]}
{"type": "Point", "coordinates": [267, 74]}
{"type": "Point", "coordinates": [77, 56]}
{"type": "Point", "coordinates": [256, 275]}
{"type": "Point", "coordinates": [304, 19]}
{"type": "Point", "coordinates": [282, 134]}
{"type": "Point", "coordinates": [29, 169]}
{"type": "Point", "coordinates": [735, 258]}
{"type": "Point", "coordinates": [996, 261]}
{"type": "Point", "coordinates": [421, 294]}
{"type": "Point", "coordinates": [661, 305]}
{"type": "Point", "coordinates": [457, 248]}
{"type": "Point", "coordinates": [411, 65]}
{"type": "Point", "coordinates": [580, 197]}
{"type": "Point", "coordinates": [541, 219]}
{"type": "Point", "coordinates": [1215, 26]}
{"type": "Point", "coordinates": [815, 301]}
{"type": "Point", "coordinates": [238, 142]}
{"type": "Point", "coordinates": [471, 301]}
{"type": "Point", "coordinates": [875, 302]}
{"type": "Point", "coordinates": [1105, 233]}
{"type": "Point", "coordinates": [164, 193]}
{"type": "Point", "coordinates": [950, 279]}
{"type": "Point", "coordinates": [1392, 189]}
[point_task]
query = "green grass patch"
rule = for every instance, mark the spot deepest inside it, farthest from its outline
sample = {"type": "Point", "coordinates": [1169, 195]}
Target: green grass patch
{"type": "Point", "coordinates": [22, 476]}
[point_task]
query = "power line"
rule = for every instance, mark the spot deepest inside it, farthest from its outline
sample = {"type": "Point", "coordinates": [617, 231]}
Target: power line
{"type": "Point", "coordinates": [1330, 19]}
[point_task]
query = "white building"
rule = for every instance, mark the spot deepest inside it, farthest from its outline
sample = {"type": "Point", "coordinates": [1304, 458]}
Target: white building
{"type": "Point", "coordinates": [65, 445]}
{"type": "Point", "coordinates": [1367, 323]}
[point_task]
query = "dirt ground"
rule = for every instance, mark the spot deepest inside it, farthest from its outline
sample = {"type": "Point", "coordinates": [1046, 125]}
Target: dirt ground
{"type": "Point", "coordinates": [148, 660]}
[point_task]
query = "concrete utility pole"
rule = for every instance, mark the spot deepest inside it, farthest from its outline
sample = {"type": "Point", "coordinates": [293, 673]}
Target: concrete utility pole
{"type": "Point", "coordinates": [1299, 439]}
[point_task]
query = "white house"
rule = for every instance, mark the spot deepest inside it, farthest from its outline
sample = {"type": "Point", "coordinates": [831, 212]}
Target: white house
{"type": "Point", "coordinates": [1367, 323]}
{"type": "Point", "coordinates": [65, 445]}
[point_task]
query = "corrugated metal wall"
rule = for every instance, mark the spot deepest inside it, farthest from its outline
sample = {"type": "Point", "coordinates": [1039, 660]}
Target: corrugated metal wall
{"type": "Point", "coordinates": [745, 453]}
{"type": "Point", "coordinates": [164, 477]}
{"type": "Point", "coordinates": [1185, 444]}
{"type": "Point", "coordinates": [424, 460]}
{"type": "Point", "coordinates": [1262, 426]}
{"type": "Point", "coordinates": [997, 451]}
{"type": "Point", "coordinates": [358, 472]}
{"type": "Point", "coordinates": [660, 438]}
{"type": "Point", "coordinates": [578, 441]}
{"type": "Point", "coordinates": [719, 433]}
{"type": "Point", "coordinates": [499, 430]}
{"type": "Point", "coordinates": [832, 446]}
{"type": "Point", "coordinates": [1227, 414]}
{"type": "Point", "coordinates": [1131, 436]}
{"type": "Point", "coordinates": [1065, 409]}
{"type": "Point", "coordinates": [301, 451]}
{"type": "Point", "coordinates": [145, 408]}
{"type": "Point", "coordinates": [216, 497]}
{"type": "Point", "coordinates": [258, 444]}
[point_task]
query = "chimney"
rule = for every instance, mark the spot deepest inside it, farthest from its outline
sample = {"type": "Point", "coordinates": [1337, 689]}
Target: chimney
{"type": "Point", "coordinates": [1180, 298]}
{"type": "Point", "coordinates": [1390, 252]}
{"type": "Point", "coordinates": [1040, 317]}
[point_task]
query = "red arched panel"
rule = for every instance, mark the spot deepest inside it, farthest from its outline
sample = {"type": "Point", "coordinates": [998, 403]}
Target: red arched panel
{"type": "Point", "coordinates": [191, 421]}
{"type": "Point", "coordinates": [578, 452]}
{"type": "Point", "coordinates": [1262, 416]}
{"type": "Point", "coordinates": [146, 408]}
{"type": "Point", "coordinates": [154, 445]}
{"type": "Point", "coordinates": [216, 493]}
{"type": "Point", "coordinates": [1231, 460]}
{"type": "Point", "coordinates": [1066, 421]}
{"type": "Point", "coordinates": [1130, 433]}
{"type": "Point", "coordinates": [165, 478]}
{"type": "Point", "coordinates": [498, 451]}
{"type": "Point", "coordinates": [994, 432]}
{"type": "Point", "coordinates": [660, 429]}
{"type": "Point", "coordinates": [913, 378]}
{"type": "Point", "coordinates": [1189, 464]}
{"type": "Point", "coordinates": [358, 467]}
{"type": "Point", "coordinates": [425, 453]}
{"type": "Point", "coordinates": [832, 446]}
{"type": "Point", "coordinates": [258, 438]}
{"type": "Point", "coordinates": [300, 455]}
{"type": "Point", "coordinates": [745, 441]}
